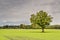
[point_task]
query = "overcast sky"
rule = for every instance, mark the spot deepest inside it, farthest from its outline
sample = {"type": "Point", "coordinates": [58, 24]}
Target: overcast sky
{"type": "Point", "coordinates": [18, 11]}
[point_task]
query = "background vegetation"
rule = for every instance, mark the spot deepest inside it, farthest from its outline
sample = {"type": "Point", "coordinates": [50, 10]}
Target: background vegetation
{"type": "Point", "coordinates": [33, 26]}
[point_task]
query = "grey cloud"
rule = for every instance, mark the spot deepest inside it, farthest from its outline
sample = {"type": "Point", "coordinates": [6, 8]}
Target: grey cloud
{"type": "Point", "coordinates": [19, 11]}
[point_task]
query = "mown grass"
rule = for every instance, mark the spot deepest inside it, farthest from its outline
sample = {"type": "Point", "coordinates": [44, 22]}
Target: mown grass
{"type": "Point", "coordinates": [29, 34]}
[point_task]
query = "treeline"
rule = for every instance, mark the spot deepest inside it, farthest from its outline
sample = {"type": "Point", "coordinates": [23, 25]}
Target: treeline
{"type": "Point", "coordinates": [33, 26]}
{"type": "Point", "coordinates": [21, 26]}
{"type": "Point", "coordinates": [53, 27]}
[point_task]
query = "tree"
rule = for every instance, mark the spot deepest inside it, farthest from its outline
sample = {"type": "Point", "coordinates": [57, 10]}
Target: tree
{"type": "Point", "coordinates": [41, 18]}
{"type": "Point", "coordinates": [35, 26]}
{"type": "Point", "coordinates": [22, 26]}
{"type": "Point", "coordinates": [5, 26]}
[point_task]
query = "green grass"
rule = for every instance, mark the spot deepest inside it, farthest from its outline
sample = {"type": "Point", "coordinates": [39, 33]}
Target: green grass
{"type": "Point", "coordinates": [29, 34]}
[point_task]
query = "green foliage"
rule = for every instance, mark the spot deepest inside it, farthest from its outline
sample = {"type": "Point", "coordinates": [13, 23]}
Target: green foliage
{"type": "Point", "coordinates": [10, 27]}
{"type": "Point", "coordinates": [53, 27]}
{"type": "Point", "coordinates": [23, 26]}
{"type": "Point", "coordinates": [35, 26]}
{"type": "Point", "coordinates": [41, 18]}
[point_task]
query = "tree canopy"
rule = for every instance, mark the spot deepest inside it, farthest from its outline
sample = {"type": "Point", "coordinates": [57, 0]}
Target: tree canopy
{"type": "Point", "coordinates": [41, 18]}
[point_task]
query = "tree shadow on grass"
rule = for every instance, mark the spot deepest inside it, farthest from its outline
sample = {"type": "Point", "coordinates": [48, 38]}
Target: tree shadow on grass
{"type": "Point", "coordinates": [39, 32]}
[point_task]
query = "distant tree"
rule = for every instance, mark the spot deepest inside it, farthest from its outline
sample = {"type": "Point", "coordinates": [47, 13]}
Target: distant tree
{"type": "Point", "coordinates": [41, 18]}
{"type": "Point", "coordinates": [27, 26]}
{"type": "Point", "coordinates": [34, 26]}
{"type": "Point", "coordinates": [5, 26]}
{"type": "Point", "coordinates": [22, 26]}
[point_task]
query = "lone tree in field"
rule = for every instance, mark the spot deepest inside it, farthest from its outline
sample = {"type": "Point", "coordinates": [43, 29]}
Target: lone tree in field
{"type": "Point", "coordinates": [41, 18]}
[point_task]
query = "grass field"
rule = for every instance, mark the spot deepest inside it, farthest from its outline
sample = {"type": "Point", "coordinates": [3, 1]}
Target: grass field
{"type": "Point", "coordinates": [29, 34]}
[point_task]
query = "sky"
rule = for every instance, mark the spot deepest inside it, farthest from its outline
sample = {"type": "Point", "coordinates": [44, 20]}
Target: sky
{"type": "Point", "coordinates": [15, 12]}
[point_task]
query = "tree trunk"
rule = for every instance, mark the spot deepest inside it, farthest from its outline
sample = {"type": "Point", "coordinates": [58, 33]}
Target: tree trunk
{"type": "Point", "coordinates": [42, 29]}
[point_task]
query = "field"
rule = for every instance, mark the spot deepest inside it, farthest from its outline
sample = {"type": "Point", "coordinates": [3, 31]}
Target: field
{"type": "Point", "coordinates": [29, 34]}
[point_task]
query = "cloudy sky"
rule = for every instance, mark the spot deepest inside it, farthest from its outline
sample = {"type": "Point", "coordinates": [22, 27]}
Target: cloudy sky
{"type": "Point", "coordinates": [18, 11]}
